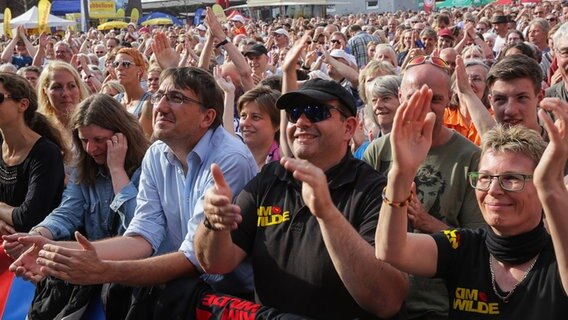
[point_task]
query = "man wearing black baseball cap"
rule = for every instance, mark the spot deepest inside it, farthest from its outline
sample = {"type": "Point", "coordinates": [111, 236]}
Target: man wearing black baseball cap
{"type": "Point", "coordinates": [307, 222]}
{"type": "Point", "coordinates": [257, 57]}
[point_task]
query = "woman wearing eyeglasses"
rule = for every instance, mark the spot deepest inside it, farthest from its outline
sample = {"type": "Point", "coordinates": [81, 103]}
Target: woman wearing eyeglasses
{"type": "Point", "coordinates": [31, 166]}
{"type": "Point", "coordinates": [129, 66]}
{"type": "Point", "coordinates": [100, 197]}
{"type": "Point", "coordinates": [470, 95]}
{"type": "Point", "coordinates": [514, 269]}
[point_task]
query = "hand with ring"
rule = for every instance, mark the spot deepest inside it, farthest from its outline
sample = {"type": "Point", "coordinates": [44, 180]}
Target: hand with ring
{"type": "Point", "coordinates": [117, 146]}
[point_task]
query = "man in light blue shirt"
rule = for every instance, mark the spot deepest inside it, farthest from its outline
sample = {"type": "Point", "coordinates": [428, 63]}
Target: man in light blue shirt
{"type": "Point", "coordinates": [158, 245]}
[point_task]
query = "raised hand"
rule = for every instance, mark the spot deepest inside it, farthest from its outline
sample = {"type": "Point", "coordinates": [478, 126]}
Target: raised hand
{"type": "Point", "coordinates": [226, 83]}
{"type": "Point", "coordinates": [461, 76]}
{"type": "Point", "coordinates": [411, 135]}
{"type": "Point", "coordinates": [315, 189]}
{"type": "Point", "coordinates": [166, 56]}
{"type": "Point", "coordinates": [550, 168]}
{"type": "Point", "coordinates": [117, 146]}
{"type": "Point", "coordinates": [218, 209]}
{"type": "Point", "coordinates": [291, 60]}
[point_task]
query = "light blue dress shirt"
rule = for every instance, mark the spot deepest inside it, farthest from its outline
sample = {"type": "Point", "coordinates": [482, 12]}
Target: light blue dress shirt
{"type": "Point", "coordinates": [93, 209]}
{"type": "Point", "coordinates": [170, 203]}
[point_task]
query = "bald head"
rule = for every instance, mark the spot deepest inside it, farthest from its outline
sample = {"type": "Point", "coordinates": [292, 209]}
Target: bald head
{"type": "Point", "coordinates": [437, 79]}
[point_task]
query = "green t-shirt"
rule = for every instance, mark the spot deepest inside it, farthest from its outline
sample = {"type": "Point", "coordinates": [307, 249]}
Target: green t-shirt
{"type": "Point", "coordinates": [443, 188]}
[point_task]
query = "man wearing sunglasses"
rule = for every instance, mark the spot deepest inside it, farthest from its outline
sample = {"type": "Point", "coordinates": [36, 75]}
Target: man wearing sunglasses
{"type": "Point", "coordinates": [443, 198]}
{"type": "Point", "coordinates": [306, 222]}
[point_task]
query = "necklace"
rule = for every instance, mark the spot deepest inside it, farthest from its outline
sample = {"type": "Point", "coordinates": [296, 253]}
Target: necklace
{"type": "Point", "coordinates": [493, 282]}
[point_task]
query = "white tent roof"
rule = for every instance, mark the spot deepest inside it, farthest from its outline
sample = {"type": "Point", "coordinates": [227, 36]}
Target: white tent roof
{"type": "Point", "coordinates": [29, 19]}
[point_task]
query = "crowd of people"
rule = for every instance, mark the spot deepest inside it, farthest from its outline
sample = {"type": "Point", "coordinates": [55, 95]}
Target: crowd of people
{"type": "Point", "coordinates": [400, 165]}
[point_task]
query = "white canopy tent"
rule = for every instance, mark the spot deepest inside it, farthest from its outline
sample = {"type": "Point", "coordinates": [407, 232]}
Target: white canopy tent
{"type": "Point", "coordinates": [29, 20]}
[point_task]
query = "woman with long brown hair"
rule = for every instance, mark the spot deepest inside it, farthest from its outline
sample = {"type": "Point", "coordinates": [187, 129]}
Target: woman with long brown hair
{"type": "Point", "coordinates": [31, 162]}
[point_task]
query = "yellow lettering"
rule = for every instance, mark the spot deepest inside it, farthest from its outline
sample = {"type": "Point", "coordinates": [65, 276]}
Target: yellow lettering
{"type": "Point", "coordinates": [263, 211]}
{"type": "Point", "coordinates": [493, 308]}
{"type": "Point", "coordinates": [462, 305]}
{"type": "Point", "coordinates": [271, 219]}
{"type": "Point", "coordinates": [476, 306]}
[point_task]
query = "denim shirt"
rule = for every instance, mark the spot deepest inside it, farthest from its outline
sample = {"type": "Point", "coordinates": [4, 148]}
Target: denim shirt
{"type": "Point", "coordinates": [170, 202]}
{"type": "Point", "coordinates": [93, 209]}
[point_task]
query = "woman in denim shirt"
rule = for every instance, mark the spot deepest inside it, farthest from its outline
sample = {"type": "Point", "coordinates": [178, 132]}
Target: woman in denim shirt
{"type": "Point", "coordinates": [99, 199]}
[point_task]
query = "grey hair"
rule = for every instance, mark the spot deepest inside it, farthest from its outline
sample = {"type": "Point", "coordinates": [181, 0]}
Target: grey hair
{"type": "Point", "coordinates": [561, 33]}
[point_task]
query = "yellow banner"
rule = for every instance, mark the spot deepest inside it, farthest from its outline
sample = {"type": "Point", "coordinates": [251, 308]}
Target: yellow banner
{"type": "Point", "coordinates": [134, 16]}
{"type": "Point", "coordinates": [7, 26]}
{"type": "Point", "coordinates": [43, 8]}
{"type": "Point", "coordinates": [102, 9]}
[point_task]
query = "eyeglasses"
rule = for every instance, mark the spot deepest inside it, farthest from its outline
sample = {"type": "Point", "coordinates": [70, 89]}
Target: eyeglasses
{"type": "Point", "coordinates": [173, 98]}
{"type": "Point", "coordinates": [314, 113]}
{"type": "Point", "coordinates": [508, 181]}
{"type": "Point", "coordinates": [99, 52]}
{"type": "Point", "coordinates": [551, 19]}
{"type": "Point", "coordinates": [562, 52]}
{"type": "Point", "coordinates": [475, 78]}
{"type": "Point", "coordinates": [124, 63]}
{"type": "Point", "coordinates": [3, 97]}
{"type": "Point", "coordinates": [435, 61]}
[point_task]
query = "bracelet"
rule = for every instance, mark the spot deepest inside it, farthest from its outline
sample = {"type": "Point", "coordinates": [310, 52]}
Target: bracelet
{"type": "Point", "coordinates": [396, 204]}
{"type": "Point", "coordinates": [208, 225]}
{"type": "Point", "coordinates": [222, 43]}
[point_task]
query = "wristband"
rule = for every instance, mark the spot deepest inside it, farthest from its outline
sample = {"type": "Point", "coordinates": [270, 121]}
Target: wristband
{"type": "Point", "coordinates": [396, 204]}
{"type": "Point", "coordinates": [208, 225]}
{"type": "Point", "coordinates": [222, 43]}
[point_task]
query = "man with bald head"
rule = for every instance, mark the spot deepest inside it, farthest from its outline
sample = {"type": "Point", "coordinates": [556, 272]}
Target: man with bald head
{"type": "Point", "coordinates": [443, 197]}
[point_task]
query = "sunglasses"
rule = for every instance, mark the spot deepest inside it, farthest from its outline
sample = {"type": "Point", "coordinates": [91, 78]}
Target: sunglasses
{"type": "Point", "coordinates": [551, 19]}
{"type": "Point", "coordinates": [314, 113]}
{"type": "Point", "coordinates": [3, 97]}
{"type": "Point", "coordinates": [124, 63]}
{"type": "Point", "coordinates": [334, 41]}
{"type": "Point", "coordinates": [435, 61]}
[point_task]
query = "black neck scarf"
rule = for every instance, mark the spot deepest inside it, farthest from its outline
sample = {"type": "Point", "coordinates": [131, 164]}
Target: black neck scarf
{"type": "Point", "coordinates": [517, 249]}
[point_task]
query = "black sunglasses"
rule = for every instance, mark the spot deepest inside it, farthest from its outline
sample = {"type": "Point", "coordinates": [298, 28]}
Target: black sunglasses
{"type": "Point", "coordinates": [125, 64]}
{"type": "Point", "coordinates": [314, 113]}
{"type": "Point", "coordinates": [7, 96]}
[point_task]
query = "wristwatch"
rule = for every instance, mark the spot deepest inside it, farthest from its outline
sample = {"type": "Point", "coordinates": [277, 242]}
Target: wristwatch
{"type": "Point", "coordinates": [222, 43]}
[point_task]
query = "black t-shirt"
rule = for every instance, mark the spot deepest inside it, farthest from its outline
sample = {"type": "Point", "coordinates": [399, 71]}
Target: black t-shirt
{"type": "Point", "coordinates": [34, 187]}
{"type": "Point", "coordinates": [293, 271]}
{"type": "Point", "coordinates": [463, 261]}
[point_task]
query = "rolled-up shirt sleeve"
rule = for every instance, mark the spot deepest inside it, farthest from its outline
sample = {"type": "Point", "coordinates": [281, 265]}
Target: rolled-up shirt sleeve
{"type": "Point", "coordinates": [149, 221]}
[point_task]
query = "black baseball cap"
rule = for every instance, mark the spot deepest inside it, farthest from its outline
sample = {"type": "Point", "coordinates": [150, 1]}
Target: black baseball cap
{"type": "Point", "coordinates": [318, 90]}
{"type": "Point", "coordinates": [256, 50]}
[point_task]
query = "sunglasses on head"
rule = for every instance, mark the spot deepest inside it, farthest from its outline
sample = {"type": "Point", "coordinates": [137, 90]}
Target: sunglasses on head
{"type": "Point", "coordinates": [124, 63]}
{"type": "Point", "coordinates": [4, 96]}
{"type": "Point", "coordinates": [435, 61]}
{"type": "Point", "coordinates": [314, 113]}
